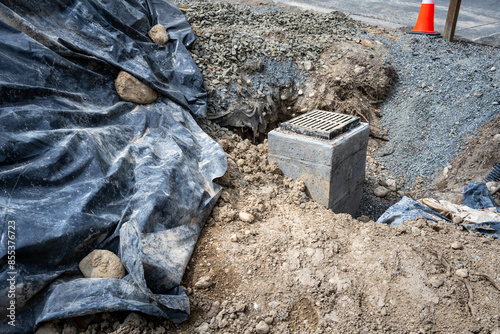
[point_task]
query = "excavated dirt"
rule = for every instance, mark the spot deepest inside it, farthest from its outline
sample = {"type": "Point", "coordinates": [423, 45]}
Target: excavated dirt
{"type": "Point", "coordinates": [271, 260]}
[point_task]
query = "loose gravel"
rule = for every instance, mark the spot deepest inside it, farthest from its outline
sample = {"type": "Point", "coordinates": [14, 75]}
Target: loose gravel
{"type": "Point", "coordinates": [445, 92]}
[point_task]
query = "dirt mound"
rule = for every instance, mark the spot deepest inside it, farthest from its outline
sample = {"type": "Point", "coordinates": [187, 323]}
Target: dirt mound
{"type": "Point", "coordinates": [270, 260]}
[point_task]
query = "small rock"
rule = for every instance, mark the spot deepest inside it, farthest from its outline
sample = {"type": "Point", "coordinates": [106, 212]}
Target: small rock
{"type": "Point", "coordinates": [445, 171]}
{"type": "Point", "coordinates": [308, 65]}
{"type": "Point", "coordinates": [462, 273]}
{"type": "Point", "coordinates": [202, 329]}
{"type": "Point", "coordinates": [364, 219]}
{"type": "Point", "coordinates": [493, 69]}
{"type": "Point", "coordinates": [415, 231]}
{"type": "Point", "coordinates": [129, 88]}
{"type": "Point", "coordinates": [391, 184]}
{"type": "Point", "coordinates": [496, 137]}
{"type": "Point", "coordinates": [300, 92]}
{"type": "Point", "coordinates": [457, 245]}
{"type": "Point", "coordinates": [262, 328]}
{"type": "Point", "coordinates": [204, 282]}
{"type": "Point", "coordinates": [240, 162]}
{"type": "Point", "coordinates": [102, 263]}
{"type": "Point", "coordinates": [367, 43]}
{"type": "Point", "coordinates": [359, 69]}
{"type": "Point", "coordinates": [311, 94]}
{"type": "Point", "coordinates": [370, 159]}
{"type": "Point", "coordinates": [495, 103]}
{"type": "Point", "coordinates": [457, 220]}
{"type": "Point", "coordinates": [478, 94]}
{"type": "Point", "coordinates": [436, 282]}
{"type": "Point", "coordinates": [423, 85]}
{"type": "Point", "coordinates": [134, 320]}
{"type": "Point", "coordinates": [246, 217]}
{"type": "Point", "coordinates": [338, 79]}
{"type": "Point", "coordinates": [158, 34]}
{"type": "Point", "coordinates": [214, 309]}
{"type": "Point", "coordinates": [240, 307]}
{"type": "Point", "coordinates": [381, 191]}
{"type": "Point", "coordinates": [269, 320]}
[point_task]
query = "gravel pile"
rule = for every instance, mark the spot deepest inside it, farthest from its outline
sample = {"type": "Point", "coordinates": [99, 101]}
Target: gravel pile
{"type": "Point", "coordinates": [445, 92]}
{"type": "Point", "coordinates": [228, 35]}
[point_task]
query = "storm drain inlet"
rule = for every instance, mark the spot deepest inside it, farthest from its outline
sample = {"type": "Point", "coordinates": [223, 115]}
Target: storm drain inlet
{"type": "Point", "coordinates": [321, 124]}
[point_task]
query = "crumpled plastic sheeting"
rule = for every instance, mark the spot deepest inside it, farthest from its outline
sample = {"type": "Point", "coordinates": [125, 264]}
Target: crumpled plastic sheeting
{"type": "Point", "coordinates": [476, 196]}
{"type": "Point", "coordinates": [80, 169]}
{"type": "Point", "coordinates": [406, 209]}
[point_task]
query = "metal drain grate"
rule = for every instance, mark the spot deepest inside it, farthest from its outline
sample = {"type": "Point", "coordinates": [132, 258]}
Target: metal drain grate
{"type": "Point", "coordinates": [321, 124]}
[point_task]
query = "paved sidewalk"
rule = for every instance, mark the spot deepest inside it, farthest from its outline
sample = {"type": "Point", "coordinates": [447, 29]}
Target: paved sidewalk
{"type": "Point", "coordinates": [478, 21]}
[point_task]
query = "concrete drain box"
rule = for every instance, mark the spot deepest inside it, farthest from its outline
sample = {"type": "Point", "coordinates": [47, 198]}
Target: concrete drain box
{"type": "Point", "coordinates": [327, 151]}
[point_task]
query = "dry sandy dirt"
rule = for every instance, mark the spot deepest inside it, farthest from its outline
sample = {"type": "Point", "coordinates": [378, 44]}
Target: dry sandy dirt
{"type": "Point", "coordinates": [270, 260]}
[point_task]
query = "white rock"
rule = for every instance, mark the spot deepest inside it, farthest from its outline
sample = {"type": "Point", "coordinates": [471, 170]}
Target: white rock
{"type": "Point", "coordinates": [204, 282]}
{"type": "Point", "coordinates": [359, 69]}
{"type": "Point", "coordinates": [462, 273]}
{"type": "Point", "coordinates": [493, 69]}
{"type": "Point", "coordinates": [246, 217]}
{"type": "Point", "coordinates": [262, 328]}
{"type": "Point", "coordinates": [202, 329]}
{"type": "Point", "coordinates": [308, 65]}
{"type": "Point", "coordinates": [391, 184]}
{"type": "Point", "coordinates": [300, 92]}
{"type": "Point", "coordinates": [102, 263]}
{"type": "Point", "coordinates": [234, 238]}
{"type": "Point", "coordinates": [457, 245]}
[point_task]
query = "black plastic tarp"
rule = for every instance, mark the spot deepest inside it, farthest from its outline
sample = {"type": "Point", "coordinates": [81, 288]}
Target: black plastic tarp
{"type": "Point", "coordinates": [80, 169]}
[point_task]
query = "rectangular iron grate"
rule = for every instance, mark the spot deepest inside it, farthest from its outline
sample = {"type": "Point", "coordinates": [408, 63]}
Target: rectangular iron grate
{"type": "Point", "coordinates": [321, 124]}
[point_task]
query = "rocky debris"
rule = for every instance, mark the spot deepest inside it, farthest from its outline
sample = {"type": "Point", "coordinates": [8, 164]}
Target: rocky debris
{"type": "Point", "coordinates": [391, 184]}
{"type": "Point", "coordinates": [228, 35]}
{"type": "Point", "coordinates": [133, 90]}
{"type": "Point", "coordinates": [457, 245]}
{"type": "Point", "coordinates": [246, 217]}
{"type": "Point", "coordinates": [204, 282]}
{"type": "Point", "coordinates": [308, 66]}
{"type": "Point", "coordinates": [102, 263]}
{"type": "Point", "coordinates": [262, 328]}
{"type": "Point", "coordinates": [381, 191]}
{"type": "Point", "coordinates": [463, 273]}
{"type": "Point", "coordinates": [203, 328]}
{"type": "Point", "coordinates": [436, 282]}
{"type": "Point", "coordinates": [256, 62]}
{"type": "Point", "coordinates": [158, 34]}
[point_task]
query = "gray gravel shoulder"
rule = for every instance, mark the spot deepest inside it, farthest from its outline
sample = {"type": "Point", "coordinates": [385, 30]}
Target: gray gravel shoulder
{"type": "Point", "coordinates": [445, 92]}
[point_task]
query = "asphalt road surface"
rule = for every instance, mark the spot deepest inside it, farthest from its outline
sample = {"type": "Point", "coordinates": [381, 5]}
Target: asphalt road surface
{"type": "Point", "coordinates": [478, 21]}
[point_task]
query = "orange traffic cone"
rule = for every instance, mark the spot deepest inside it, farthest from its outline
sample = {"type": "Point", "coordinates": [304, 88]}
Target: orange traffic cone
{"type": "Point", "coordinates": [425, 21]}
